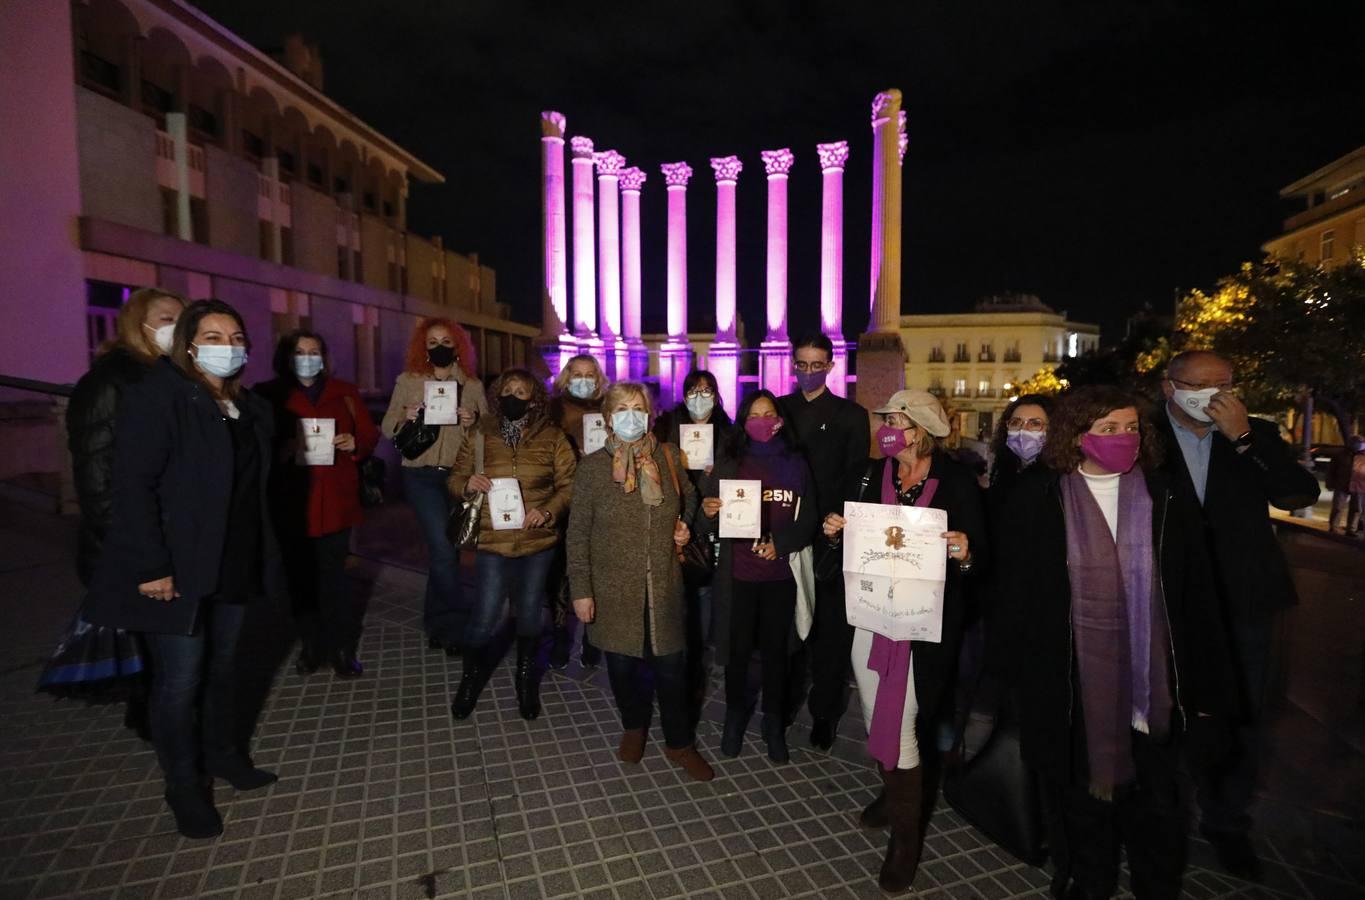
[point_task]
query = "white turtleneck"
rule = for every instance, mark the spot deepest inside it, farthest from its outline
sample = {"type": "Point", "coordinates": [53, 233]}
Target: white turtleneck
{"type": "Point", "coordinates": [1105, 490]}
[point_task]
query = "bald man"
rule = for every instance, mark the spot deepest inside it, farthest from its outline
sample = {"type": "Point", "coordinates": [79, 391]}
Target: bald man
{"type": "Point", "coordinates": [1235, 467]}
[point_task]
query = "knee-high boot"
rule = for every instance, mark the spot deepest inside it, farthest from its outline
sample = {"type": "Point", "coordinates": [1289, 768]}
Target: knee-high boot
{"type": "Point", "coordinates": [904, 798]}
{"type": "Point", "coordinates": [528, 678]}
{"type": "Point", "coordinates": [472, 680]}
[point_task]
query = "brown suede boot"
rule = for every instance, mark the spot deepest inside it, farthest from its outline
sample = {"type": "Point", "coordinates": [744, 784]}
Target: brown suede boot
{"type": "Point", "coordinates": [632, 745]}
{"type": "Point", "coordinates": [691, 762]}
{"type": "Point", "coordinates": [904, 789]}
{"type": "Point", "coordinates": [875, 817]}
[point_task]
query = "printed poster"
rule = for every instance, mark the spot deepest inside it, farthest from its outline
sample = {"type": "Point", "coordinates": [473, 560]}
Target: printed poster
{"type": "Point", "coordinates": [895, 562]}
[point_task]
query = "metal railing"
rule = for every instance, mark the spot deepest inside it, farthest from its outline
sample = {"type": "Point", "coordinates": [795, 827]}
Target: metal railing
{"type": "Point", "coordinates": [36, 464]}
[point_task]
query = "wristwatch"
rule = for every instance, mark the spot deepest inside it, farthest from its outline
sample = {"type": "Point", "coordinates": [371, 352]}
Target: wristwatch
{"type": "Point", "coordinates": [1243, 441]}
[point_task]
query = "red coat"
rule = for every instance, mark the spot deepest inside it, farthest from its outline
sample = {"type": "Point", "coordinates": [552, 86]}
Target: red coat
{"type": "Point", "coordinates": [318, 500]}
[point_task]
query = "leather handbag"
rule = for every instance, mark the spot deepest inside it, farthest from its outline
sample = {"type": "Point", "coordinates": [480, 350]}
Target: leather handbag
{"type": "Point", "coordinates": [371, 470]}
{"type": "Point", "coordinates": [463, 527]}
{"type": "Point", "coordinates": [415, 437]}
{"type": "Point", "coordinates": [697, 556]}
{"type": "Point", "coordinates": [993, 788]}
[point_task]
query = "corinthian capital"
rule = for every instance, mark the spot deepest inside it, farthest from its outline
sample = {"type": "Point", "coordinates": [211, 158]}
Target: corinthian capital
{"type": "Point", "coordinates": [676, 174]}
{"type": "Point", "coordinates": [552, 124]}
{"type": "Point", "coordinates": [609, 162]}
{"type": "Point", "coordinates": [832, 156]}
{"type": "Point", "coordinates": [885, 103]}
{"type": "Point", "coordinates": [902, 137]}
{"type": "Point", "coordinates": [777, 162]}
{"type": "Point", "coordinates": [727, 168]}
{"type": "Point", "coordinates": [581, 147]}
{"type": "Point", "coordinates": [632, 179]}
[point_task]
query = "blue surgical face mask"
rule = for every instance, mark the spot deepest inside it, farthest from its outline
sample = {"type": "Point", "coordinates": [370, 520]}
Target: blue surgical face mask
{"type": "Point", "coordinates": [629, 424]}
{"type": "Point", "coordinates": [221, 360]}
{"type": "Point", "coordinates": [583, 388]}
{"type": "Point", "coordinates": [1026, 444]}
{"type": "Point", "coordinates": [700, 407]}
{"type": "Point", "coordinates": [307, 366]}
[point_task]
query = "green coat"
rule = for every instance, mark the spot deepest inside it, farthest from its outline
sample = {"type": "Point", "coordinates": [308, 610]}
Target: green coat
{"type": "Point", "coordinates": [621, 554]}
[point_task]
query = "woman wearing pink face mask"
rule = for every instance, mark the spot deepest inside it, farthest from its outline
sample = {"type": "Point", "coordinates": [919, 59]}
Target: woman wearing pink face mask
{"type": "Point", "coordinates": [1115, 642]}
{"type": "Point", "coordinates": [901, 684]}
{"type": "Point", "coordinates": [754, 588]}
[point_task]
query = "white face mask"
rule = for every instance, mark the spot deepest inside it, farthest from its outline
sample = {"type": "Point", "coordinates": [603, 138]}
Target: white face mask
{"type": "Point", "coordinates": [1194, 403]}
{"type": "Point", "coordinates": [307, 366]}
{"type": "Point", "coordinates": [221, 360]}
{"type": "Point", "coordinates": [162, 336]}
{"type": "Point", "coordinates": [582, 388]}
{"type": "Point", "coordinates": [629, 424]}
{"type": "Point", "coordinates": [700, 407]}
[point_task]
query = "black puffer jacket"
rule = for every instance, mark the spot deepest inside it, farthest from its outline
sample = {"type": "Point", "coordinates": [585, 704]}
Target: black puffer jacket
{"type": "Point", "coordinates": [90, 436]}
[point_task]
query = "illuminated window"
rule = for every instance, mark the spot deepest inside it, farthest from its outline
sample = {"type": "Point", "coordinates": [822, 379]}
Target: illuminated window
{"type": "Point", "coordinates": [959, 387]}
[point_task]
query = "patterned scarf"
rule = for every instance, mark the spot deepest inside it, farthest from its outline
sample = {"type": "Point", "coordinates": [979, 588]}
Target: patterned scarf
{"type": "Point", "coordinates": [633, 465]}
{"type": "Point", "coordinates": [1119, 624]}
{"type": "Point", "coordinates": [512, 431]}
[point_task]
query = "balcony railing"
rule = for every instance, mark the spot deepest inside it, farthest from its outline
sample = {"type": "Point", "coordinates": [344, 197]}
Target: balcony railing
{"type": "Point", "coordinates": [936, 356]}
{"type": "Point", "coordinates": [985, 357]}
{"type": "Point", "coordinates": [961, 392]}
{"type": "Point", "coordinates": [962, 356]}
{"type": "Point", "coordinates": [1351, 198]}
{"type": "Point", "coordinates": [937, 390]}
{"type": "Point", "coordinates": [1051, 357]}
{"type": "Point", "coordinates": [985, 392]}
{"type": "Point", "coordinates": [1012, 356]}
{"type": "Point", "coordinates": [165, 165]}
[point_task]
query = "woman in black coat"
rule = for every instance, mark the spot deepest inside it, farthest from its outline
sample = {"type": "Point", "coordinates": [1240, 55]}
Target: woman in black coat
{"type": "Point", "coordinates": [915, 471]}
{"type": "Point", "coordinates": [1116, 644]}
{"type": "Point", "coordinates": [189, 544]}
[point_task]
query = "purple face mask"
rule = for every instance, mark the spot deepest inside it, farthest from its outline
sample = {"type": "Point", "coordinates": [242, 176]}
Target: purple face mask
{"type": "Point", "coordinates": [810, 382]}
{"type": "Point", "coordinates": [1112, 452]}
{"type": "Point", "coordinates": [762, 428]}
{"type": "Point", "coordinates": [891, 440]}
{"type": "Point", "coordinates": [1026, 444]}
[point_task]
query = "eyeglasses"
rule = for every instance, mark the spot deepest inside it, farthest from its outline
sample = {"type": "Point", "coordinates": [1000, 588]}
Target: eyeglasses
{"type": "Point", "coordinates": [700, 394]}
{"type": "Point", "coordinates": [1018, 424]}
{"type": "Point", "coordinates": [817, 367]}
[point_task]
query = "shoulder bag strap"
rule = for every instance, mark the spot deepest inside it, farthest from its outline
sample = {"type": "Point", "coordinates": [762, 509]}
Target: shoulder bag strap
{"type": "Point", "coordinates": [672, 473]}
{"type": "Point", "coordinates": [478, 452]}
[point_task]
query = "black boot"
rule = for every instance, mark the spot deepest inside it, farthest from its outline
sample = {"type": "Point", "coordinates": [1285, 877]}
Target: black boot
{"type": "Point", "coordinates": [822, 733]}
{"type": "Point", "coordinates": [528, 679]}
{"type": "Point", "coordinates": [345, 665]}
{"type": "Point", "coordinates": [736, 721]}
{"type": "Point", "coordinates": [904, 790]}
{"type": "Point", "coordinates": [238, 770]}
{"type": "Point", "coordinates": [559, 649]}
{"type": "Point", "coordinates": [308, 661]}
{"type": "Point", "coordinates": [195, 815]}
{"type": "Point", "coordinates": [137, 717]}
{"type": "Point", "coordinates": [875, 815]}
{"type": "Point", "coordinates": [471, 683]}
{"type": "Point", "coordinates": [775, 736]}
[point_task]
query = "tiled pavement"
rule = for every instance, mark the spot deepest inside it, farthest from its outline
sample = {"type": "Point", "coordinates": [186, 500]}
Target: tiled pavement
{"type": "Point", "coordinates": [382, 795]}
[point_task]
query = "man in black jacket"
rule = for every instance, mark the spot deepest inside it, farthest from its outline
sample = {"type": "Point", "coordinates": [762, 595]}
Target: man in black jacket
{"type": "Point", "coordinates": [835, 437]}
{"type": "Point", "coordinates": [1233, 466]}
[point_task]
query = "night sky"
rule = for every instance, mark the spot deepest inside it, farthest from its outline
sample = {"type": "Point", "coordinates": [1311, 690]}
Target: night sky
{"type": "Point", "coordinates": [1101, 155]}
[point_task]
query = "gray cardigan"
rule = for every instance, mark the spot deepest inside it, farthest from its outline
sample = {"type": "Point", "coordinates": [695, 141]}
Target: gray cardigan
{"type": "Point", "coordinates": [621, 554]}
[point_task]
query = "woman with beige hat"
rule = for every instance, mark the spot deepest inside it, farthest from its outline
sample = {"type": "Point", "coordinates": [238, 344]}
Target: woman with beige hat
{"type": "Point", "coordinates": [896, 679]}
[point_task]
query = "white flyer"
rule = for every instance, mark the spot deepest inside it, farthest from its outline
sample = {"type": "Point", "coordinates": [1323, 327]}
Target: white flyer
{"type": "Point", "coordinates": [594, 432]}
{"type": "Point", "coordinates": [505, 506]}
{"type": "Point", "coordinates": [698, 445]}
{"type": "Point", "coordinates": [441, 401]}
{"type": "Point", "coordinates": [741, 508]}
{"type": "Point", "coordinates": [895, 561]}
{"type": "Point", "coordinates": [315, 442]}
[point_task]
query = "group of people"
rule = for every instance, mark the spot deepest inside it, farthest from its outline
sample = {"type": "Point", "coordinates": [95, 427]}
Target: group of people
{"type": "Point", "coordinates": [1119, 559]}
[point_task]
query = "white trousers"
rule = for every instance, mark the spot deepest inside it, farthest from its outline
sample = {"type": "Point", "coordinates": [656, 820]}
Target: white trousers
{"type": "Point", "coordinates": [867, 694]}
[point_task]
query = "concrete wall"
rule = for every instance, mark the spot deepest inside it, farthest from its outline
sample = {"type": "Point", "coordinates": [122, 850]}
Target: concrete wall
{"type": "Point", "coordinates": [231, 187]}
{"type": "Point", "coordinates": [394, 329]}
{"type": "Point", "coordinates": [315, 230]}
{"type": "Point", "coordinates": [117, 161]}
{"type": "Point", "coordinates": [40, 184]}
{"type": "Point", "coordinates": [253, 302]}
{"type": "Point", "coordinates": [421, 255]}
{"type": "Point", "coordinates": [374, 237]}
{"type": "Point", "coordinates": [461, 274]}
{"type": "Point", "coordinates": [333, 320]}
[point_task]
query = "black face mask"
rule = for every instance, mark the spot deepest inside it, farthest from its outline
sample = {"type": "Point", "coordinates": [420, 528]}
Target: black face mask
{"type": "Point", "coordinates": [441, 356]}
{"type": "Point", "coordinates": [513, 407]}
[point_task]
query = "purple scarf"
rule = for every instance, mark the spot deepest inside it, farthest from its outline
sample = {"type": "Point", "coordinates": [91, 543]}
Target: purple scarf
{"type": "Point", "coordinates": [1118, 620]}
{"type": "Point", "coordinates": [891, 659]}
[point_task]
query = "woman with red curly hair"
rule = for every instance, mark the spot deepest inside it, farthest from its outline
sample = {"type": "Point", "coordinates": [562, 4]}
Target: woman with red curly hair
{"type": "Point", "coordinates": [440, 350]}
{"type": "Point", "coordinates": [1115, 643]}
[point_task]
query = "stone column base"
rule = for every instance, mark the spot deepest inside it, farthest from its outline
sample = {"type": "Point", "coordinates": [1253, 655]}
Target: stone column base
{"type": "Point", "coordinates": [775, 366]}
{"type": "Point", "coordinates": [838, 381]}
{"type": "Point", "coordinates": [637, 359]}
{"type": "Point", "coordinates": [556, 351]}
{"type": "Point", "coordinates": [675, 361]}
{"type": "Point", "coordinates": [722, 359]}
{"type": "Point", "coordinates": [881, 368]}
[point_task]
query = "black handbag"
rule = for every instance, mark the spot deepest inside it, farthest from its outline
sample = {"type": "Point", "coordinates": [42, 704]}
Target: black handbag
{"type": "Point", "coordinates": [463, 526]}
{"type": "Point", "coordinates": [415, 437]}
{"type": "Point", "coordinates": [698, 556]}
{"type": "Point", "coordinates": [993, 788]}
{"type": "Point", "coordinates": [371, 470]}
{"type": "Point", "coordinates": [829, 555]}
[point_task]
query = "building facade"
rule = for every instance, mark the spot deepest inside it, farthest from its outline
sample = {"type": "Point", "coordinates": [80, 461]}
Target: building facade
{"type": "Point", "coordinates": [158, 148]}
{"type": "Point", "coordinates": [1332, 221]}
{"type": "Point", "coordinates": [973, 360]}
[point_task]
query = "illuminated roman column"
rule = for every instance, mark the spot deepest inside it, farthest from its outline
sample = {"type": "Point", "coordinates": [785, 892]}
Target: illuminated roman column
{"type": "Point", "coordinates": [555, 343]}
{"type": "Point", "coordinates": [609, 166]}
{"type": "Point", "coordinates": [632, 180]}
{"type": "Point", "coordinates": [881, 353]}
{"type": "Point", "coordinates": [675, 356]}
{"type": "Point", "coordinates": [723, 357]}
{"type": "Point", "coordinates": [775, 353]}
{"type": "Point", "coordinates": [832, 159]}
{"type": "Point", "coordinates": [584, 263]}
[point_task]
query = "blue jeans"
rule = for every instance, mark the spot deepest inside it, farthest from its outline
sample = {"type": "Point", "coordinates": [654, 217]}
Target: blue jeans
{"type": "Point", "coordinates": [499, 579]}
{"type": "Point", "coordinates": [443, 616]}
{"type": "Point", "coordinates": [182, 665]}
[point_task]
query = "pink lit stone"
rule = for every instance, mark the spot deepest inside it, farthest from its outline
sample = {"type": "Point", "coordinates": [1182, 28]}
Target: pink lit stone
{"type": "Point", "coordinates": [555, 288]}
{"type": "Point", "coordinates": [676, 176]}
{"type": "Point", "coordinates": [832, 156]}
{"type": "Point", "coordinates": [777, 162]}
{"type": "Point", "coordinates": [727, 168]}
{"type": "Point", "coordinates": [609, 165]}
{"type": "Point", "coordinates": [584, 250]}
